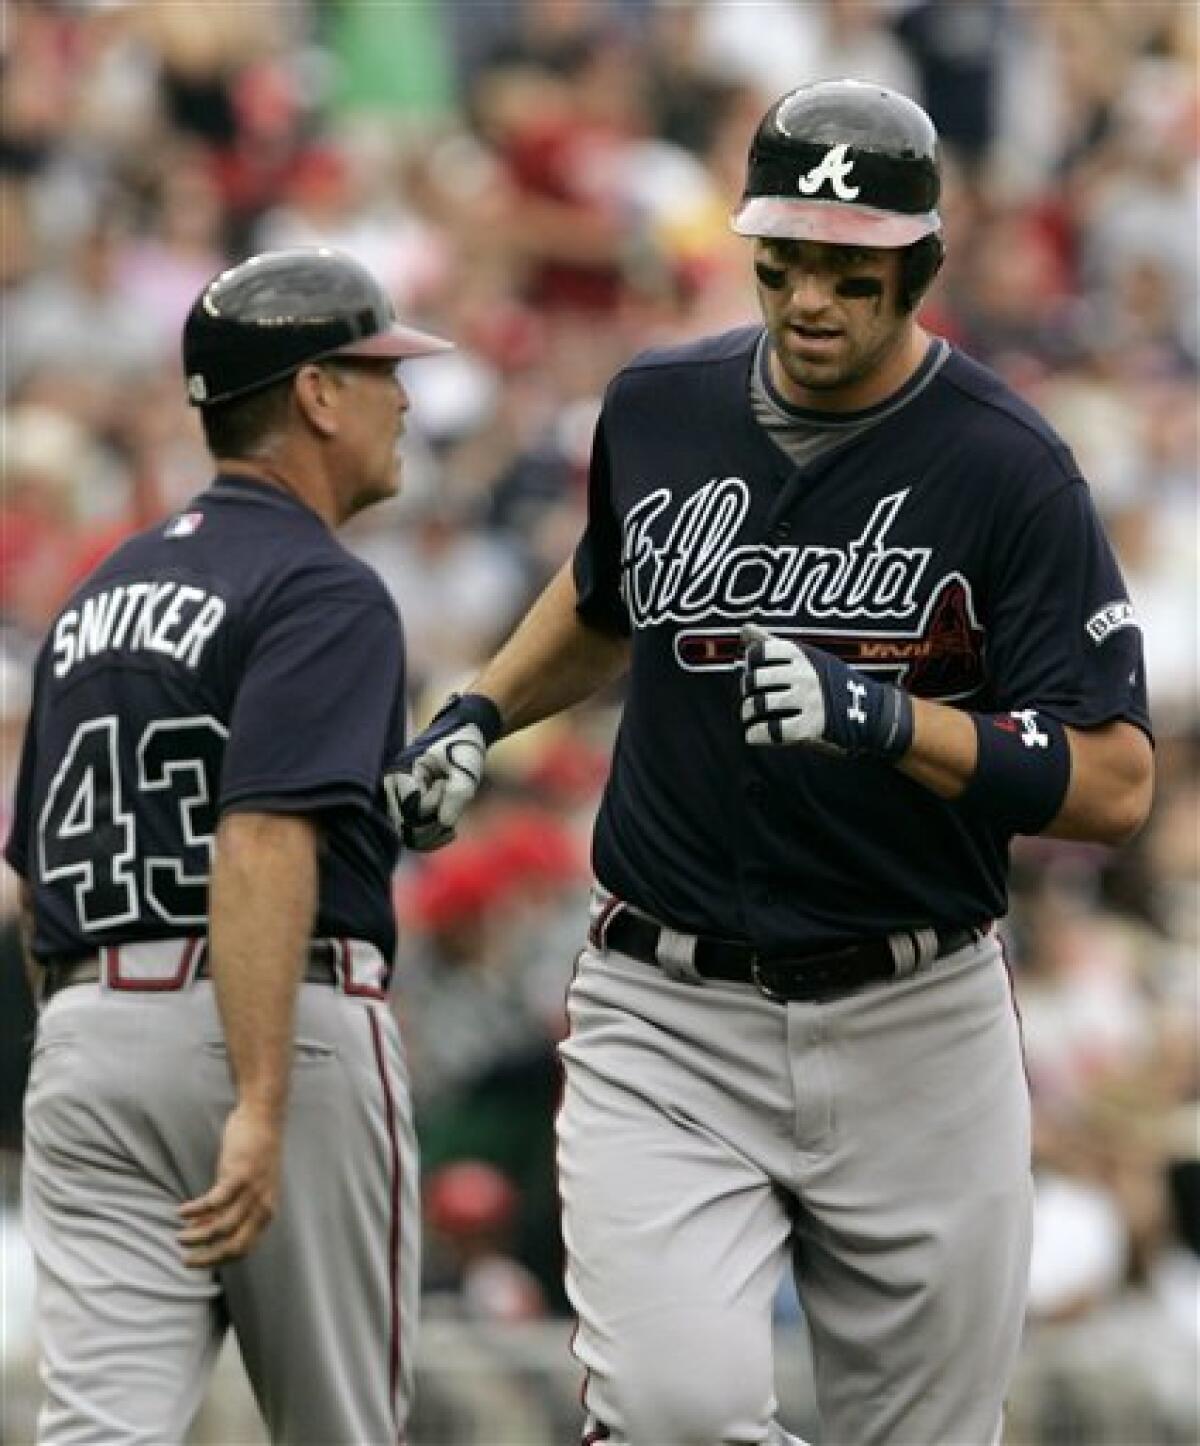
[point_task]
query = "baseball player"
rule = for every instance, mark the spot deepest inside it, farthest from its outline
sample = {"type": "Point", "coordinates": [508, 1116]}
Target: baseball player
{"type": "Point", "coordinates": [873, 630]}
{"type": "Point", "coordinates": [217, 1125]}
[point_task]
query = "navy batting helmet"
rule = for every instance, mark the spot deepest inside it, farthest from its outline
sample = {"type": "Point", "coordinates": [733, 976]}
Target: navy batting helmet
{"type": "Point", "coordinates": [842, 161]}
{"type": "Point", "coordinates": [264, 319]}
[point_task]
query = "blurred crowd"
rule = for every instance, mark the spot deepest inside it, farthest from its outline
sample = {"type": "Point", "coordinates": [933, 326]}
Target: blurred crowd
{"type": "Point", "coordinates": [548, 182]}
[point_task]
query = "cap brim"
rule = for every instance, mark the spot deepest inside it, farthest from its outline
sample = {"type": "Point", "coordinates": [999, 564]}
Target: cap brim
{"type": "Point", "coordinates": [396, 343]}
{"type": "Point", "coordinates": [780, 218]}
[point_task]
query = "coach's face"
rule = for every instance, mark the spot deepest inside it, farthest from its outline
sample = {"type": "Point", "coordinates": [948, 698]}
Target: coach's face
{"type": "Point", "coordinates": [371, 421]}
{"type": "Point", "coordinates": [840, 339]}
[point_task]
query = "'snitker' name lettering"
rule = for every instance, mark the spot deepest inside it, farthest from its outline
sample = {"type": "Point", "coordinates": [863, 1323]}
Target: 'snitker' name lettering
{"type": "Point", "coordinates": [171, 618]}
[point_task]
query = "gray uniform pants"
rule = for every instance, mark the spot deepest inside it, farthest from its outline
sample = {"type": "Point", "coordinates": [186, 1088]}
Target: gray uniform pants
{"type": "Point", "coordinates": [127, 1098]}
{"type": "Point", "coordinates": [880, 1142]}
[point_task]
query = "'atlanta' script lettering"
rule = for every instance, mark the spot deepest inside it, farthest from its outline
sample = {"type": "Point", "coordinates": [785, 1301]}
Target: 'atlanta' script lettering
{"type": "Point", "coordinates": [696, 571]}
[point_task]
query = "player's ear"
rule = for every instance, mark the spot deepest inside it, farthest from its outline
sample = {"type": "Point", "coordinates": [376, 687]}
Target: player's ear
{"type": "Point", "coordinates": [315, 392]}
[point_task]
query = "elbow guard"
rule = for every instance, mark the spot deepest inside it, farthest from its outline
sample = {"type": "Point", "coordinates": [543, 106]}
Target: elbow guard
{"type": "Point", "coordinates": [1022, 771]}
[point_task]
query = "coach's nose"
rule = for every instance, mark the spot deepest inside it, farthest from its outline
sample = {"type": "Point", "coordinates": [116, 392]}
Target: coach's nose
{"type": "Point", "coordinates": [403, 402]}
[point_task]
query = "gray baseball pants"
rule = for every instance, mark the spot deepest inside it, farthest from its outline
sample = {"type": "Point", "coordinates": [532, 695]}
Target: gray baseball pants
{"type": "Point", "coordinates": [880, 1143]}
{"type": "Point", "coordinates": [123, 1116]}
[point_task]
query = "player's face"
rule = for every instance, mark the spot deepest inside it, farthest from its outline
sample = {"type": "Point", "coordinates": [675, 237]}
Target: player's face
{"type": "Point", "coordinates": [839, 337]}
{"type": "Point", "coordinates": [372, 409]}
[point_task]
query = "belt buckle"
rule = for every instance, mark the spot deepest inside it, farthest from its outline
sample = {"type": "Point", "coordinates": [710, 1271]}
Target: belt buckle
{"type": "Point", "coordinates": [804, 991]}
{"type": "Point", "coordinates": [760, 981]}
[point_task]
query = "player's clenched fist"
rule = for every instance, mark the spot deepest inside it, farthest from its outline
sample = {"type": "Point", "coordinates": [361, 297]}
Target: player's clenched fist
{"type": "Point", "coordinates": [794, 693]}
{"type": "Point", "coordinates": [438, 774]}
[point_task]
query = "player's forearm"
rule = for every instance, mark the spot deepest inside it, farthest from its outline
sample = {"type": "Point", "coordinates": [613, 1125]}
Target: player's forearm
{"type": "Point", "coordinates": [262, 901]}
{"type": "Point", "coordinates": [552, 661]}
{"type": "Point", "coordinates": [943, 753]}
{"type": "Point", "coordinates": [1111, 772]}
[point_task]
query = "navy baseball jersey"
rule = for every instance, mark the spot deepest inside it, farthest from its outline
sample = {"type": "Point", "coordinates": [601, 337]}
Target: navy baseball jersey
{"type": "Point", "coordinates": [952, 548]}
{"type": "Point", "coordinates": [204, 668]}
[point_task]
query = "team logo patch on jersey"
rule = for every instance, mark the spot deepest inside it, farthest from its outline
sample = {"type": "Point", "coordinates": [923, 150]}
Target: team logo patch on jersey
{"type": "Point", "coordinates": [1109, 619]}
{"type": "Point", "coordinates": [834, 169]}
{"type": "Point", "coordinates": [184, 525]}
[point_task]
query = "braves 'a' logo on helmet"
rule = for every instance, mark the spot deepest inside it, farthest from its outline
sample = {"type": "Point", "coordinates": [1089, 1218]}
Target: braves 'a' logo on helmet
{"type": "Point", "coordinates": [833, 169]}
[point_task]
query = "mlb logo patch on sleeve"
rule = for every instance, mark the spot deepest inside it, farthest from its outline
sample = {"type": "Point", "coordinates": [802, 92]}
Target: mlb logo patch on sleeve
{"type": "Point", "coordinates": [184, 525]}
{"type": "Point", "coordinates": [1110, 619]}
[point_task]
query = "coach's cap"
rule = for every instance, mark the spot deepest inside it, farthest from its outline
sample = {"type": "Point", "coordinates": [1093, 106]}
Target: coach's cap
{"type": "Point", "coordinates": [265, 318]}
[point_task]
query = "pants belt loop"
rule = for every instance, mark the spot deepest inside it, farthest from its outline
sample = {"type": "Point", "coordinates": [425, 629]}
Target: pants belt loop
{"type": "Point", "coordinates": [676, 955]}
{"type": "Point", "coordinates": [358, 967]}
{"type": "Point", "coordinates": [150, 968]}
{"type": "Point", "coordinates": [912, 949]}
{"type": "Point", "coordinates": [604, 909]}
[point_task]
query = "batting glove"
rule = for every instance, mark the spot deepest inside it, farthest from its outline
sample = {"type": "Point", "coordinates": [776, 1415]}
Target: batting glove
{"type": "Point", "coordinates": [438, 774]}
{"type": "Point", "coordinates": [796, 694]}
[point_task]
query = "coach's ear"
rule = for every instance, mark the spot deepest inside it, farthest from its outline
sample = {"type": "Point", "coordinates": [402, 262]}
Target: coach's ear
{"type": "Point", "coordinates": [316, 391]}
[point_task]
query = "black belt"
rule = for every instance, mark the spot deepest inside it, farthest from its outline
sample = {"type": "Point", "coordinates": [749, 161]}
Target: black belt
{"type": "Point", "coordinates": [320, 968]}
{"type": "Point", "coordinates": [810, 977]}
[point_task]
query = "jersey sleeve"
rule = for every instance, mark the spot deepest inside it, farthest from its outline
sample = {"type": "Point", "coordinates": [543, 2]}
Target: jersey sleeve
{"type": "Point", "coordinates": [16, 845]}
{"type": "Point", "coordinates": [319, 706]}
{"type": "Point", "coordinates": [1063, 635]}
{"type": "Point", "coordinates": [597, 561]}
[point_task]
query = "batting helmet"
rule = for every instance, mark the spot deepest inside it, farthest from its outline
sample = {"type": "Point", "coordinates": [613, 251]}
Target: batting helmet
{"type": "Point", "coordinates": [264, 319]}
{"type": "Point", "coordinates": [842, 161]}
{"type": "Point", "coordinates": [849, 163]}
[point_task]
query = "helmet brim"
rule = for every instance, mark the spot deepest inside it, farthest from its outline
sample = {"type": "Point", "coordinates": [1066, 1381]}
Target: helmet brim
{"type": "Point", "coordinates": [781, 218]}
{"type": "Point", "coordinates": [395, 343]}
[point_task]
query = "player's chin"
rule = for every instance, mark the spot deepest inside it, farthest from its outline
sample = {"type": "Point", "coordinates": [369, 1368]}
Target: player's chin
{"type": "Point", "coordinates": [817, 374]}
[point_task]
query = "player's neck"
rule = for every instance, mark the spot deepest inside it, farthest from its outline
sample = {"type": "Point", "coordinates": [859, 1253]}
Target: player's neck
{"type": "Point", "coordinates": [895, 369]}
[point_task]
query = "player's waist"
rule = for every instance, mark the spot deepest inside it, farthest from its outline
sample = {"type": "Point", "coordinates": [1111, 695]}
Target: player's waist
{"type": "Point", "coordinates": [163, 966]}
{"type": "Point", "coordinates": [809, 974]}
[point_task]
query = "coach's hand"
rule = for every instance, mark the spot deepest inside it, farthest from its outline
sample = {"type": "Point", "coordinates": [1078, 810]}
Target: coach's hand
{"type": "Point", "coordinates": [793, 693]}
{"type": "Point", "coordinates": [440, 771]}
{"type": "Point", "coordinates": [226, 1222]}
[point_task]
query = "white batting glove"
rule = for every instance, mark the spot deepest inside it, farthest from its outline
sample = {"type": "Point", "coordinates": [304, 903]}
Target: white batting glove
{"type": "Point", "coordinates": [782, 699]}
{"type": "Point", "coordinates": [438, 774]}
{"type": "Point", "coordinates": [795, 693]}
{"type": "Point", "coordinates": [413, 808]}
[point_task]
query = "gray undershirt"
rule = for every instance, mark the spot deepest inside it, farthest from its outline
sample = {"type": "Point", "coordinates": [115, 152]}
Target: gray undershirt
{"type": "Point", "coordinates": [804, 435]}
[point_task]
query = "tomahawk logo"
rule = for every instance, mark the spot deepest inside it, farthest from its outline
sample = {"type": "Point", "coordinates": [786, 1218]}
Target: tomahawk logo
{"type": "Point", "coordinates": [834, 168]}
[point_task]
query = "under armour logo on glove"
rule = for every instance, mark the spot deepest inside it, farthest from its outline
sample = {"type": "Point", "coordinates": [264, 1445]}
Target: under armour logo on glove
{"type": "Point", "coordinates": [431, 783]}
{"type": "Point", "coordinates": [414, 804]}
{"type": "Point", "coordinates": [796, 694]}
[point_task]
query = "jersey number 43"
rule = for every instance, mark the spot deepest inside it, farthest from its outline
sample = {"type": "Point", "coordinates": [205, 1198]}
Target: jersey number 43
{"type": "Point", "coordinates": [88, 831]}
